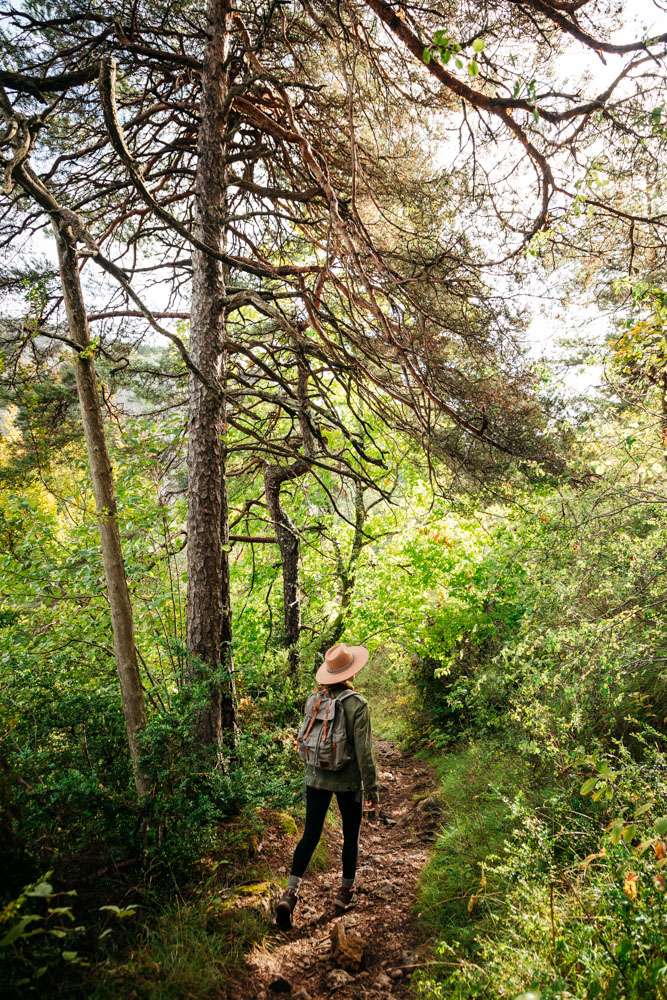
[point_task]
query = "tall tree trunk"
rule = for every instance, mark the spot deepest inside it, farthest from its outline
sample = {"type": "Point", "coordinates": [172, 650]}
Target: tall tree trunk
{"type": "Point", "coordinates": [290, 552]}
{"type": "Point", "coordinates": [209, 629]}
{"type": "Point", "coordinates": [132, 695]}
{"type": "Point", "coordinates": [347, 573]}
{"type": "Point", "coordinates": [287, 533]}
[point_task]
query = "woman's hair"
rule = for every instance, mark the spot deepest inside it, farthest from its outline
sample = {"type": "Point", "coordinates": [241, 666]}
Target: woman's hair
{"type": "Point", "coordinates": [326, 688]}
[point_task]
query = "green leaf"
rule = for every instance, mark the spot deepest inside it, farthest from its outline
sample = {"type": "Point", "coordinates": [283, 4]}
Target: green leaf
{"type": "Point", "coordinates": [427, 55]}
{"type": "Point", "coordinates": [15, 932]}
{"type": "Point", "coordinates": [661, 824]}
{"type": "Point", "coordinates": [629, 833]}
{"type": "Point", "coordinates": [473, 68]}
{"type": "Point", "coordinates": [478, 45]}
{"type": "Point", "coordinates": [70, 956]}
{"type": "Point", "coordinates": [43, 889]}
{"type": "Point", "coordinates": [616, 832]}
{"type": "Point", "coordinates": [459, 64]}
{"type": "Point", "coordinates": [588, 785]}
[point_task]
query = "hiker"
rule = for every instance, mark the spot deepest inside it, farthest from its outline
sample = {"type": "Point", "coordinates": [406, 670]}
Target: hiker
{"type": "Point", "coordinates": [336, 744]}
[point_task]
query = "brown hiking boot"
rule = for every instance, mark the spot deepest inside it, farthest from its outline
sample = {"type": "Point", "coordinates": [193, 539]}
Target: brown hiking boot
{"type": "Point", "coordinates": [285, 908]}
{"type": "Point", "coordinates": [346, 898]}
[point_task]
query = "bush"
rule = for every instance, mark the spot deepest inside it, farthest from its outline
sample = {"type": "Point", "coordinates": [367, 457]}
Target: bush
{"type": "Point", "coordinates": [571, 902]}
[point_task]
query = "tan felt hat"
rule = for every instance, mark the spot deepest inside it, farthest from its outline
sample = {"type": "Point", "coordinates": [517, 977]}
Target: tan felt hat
{"type": "Point", "coordinates": [341, 662]}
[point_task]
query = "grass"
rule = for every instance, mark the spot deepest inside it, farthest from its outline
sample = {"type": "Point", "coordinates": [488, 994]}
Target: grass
{"type": "Point", "coordinates": [473, 783]}
{"type": "Point", "coordinates": [188, 951]}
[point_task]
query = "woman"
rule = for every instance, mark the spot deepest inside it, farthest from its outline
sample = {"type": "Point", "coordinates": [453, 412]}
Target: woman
{"type": "Point", "coordinates": [351, 783]}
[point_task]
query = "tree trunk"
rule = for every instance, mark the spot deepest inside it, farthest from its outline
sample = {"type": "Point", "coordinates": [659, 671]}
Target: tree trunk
{"type": "Point", "coordinates": [209, 629]}
{"type": "Point", "coordinates": [287, 534]}
{"type": "Point", "coordinates": [347, 574]}
{"type": "Point", "coordinates": [132, 695]}
{"type": "Point", "coordinates": [290, 552]}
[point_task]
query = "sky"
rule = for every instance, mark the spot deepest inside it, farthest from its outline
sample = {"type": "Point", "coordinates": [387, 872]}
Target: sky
{"type": "Point", "coordinates": [550, 324]}
{"type": "Point", "coordinates": [641, 17]}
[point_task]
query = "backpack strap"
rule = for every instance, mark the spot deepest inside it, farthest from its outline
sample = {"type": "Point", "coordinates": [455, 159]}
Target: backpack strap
{"type": "Point", "coordinates": [314, 716]}
{"type": "Point", "coordinates": [326, 719]}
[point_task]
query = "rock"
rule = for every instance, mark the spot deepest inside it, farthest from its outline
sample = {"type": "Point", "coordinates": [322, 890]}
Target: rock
{"type": "Point", "coordinates": [261, 897]}
{"type": "Point", "coordinates": [338, 978]}
{"type": "Point", "coordinates": [347, 950]}
{"type": "Point", "coordinates": [285, 823]}
{"type": "Point", "coordinates": [281, 985]}
{"type": "Point", "coordinates": [432, 805]}
{"type": "Point", "coordinates": [395, 973]}
{"type": "Point", "coordinates": [409, 958]}
{"type": "Point", "coordinates": [302, 994]}
{"type": "Point", "coordinates": [383, 981]}
{"type": "Point", "coordinates": [384, 889]}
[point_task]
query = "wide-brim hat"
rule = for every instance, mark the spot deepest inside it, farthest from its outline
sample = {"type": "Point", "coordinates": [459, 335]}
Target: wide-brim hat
{"type": "Point", "coordinates": [341, 662]}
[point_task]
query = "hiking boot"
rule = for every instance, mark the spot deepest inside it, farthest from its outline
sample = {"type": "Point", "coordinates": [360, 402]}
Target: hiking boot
{"type": "Point", "coordinates": [285, 908]}
{"type": "Point", "coordinates": [346, 898]}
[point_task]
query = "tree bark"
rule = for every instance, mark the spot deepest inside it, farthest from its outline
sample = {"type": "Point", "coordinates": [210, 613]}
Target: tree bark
{"type": "Point", "coordinates": [347, 574]}
{"type": "Point", "coordinates": [290, 553]}
{"type": "Point", "coordinates": [287, 534]}
{"type": "Point", "coordinates": [131, 690]}
{"type": "Point", "coordinates": [209, 626]}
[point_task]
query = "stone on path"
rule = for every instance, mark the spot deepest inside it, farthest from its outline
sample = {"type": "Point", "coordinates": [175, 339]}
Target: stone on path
{"type": "Point", "coordinates": [432, 805]}
{"type": "Point", "coordinates": [338, 978]}
{"type": "Point", "coordinates": [347, 949]}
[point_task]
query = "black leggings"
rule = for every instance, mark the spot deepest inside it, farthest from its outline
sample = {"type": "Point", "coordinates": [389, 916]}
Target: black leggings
{"type": "Point", "coordinates": [317, 802]}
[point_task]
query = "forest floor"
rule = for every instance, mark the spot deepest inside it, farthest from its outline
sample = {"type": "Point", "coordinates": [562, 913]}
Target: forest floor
{"type": "Point", "coordinates": [394, 848]}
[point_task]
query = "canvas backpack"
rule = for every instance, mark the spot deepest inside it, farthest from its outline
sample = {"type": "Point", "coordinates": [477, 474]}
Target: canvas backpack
{"type": "Point", "coordinates": [322, 739]}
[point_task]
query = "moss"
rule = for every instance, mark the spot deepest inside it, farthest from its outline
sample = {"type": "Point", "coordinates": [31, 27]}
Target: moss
{"type": "Point", "coordinates": [320, 859]}
{"type": "Point", "coordinates": [286, 824]}
{"type": "Point", "coordinates": [260, 896]}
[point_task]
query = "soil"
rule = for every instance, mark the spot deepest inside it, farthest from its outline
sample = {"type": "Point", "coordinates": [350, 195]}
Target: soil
{"type": "Point", "coordinates": [394, 848]}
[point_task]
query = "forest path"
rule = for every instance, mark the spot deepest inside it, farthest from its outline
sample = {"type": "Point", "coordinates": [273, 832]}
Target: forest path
{"type": "Point", "coordinates": [393, 851]}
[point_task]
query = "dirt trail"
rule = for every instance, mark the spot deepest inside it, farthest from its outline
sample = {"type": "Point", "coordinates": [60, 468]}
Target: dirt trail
{"type": "Point", "coordinates": [393, 850]}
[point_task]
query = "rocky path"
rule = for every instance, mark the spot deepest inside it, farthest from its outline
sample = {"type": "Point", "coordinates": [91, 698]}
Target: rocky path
{"type": "Point", "coordinates": [317, 958]}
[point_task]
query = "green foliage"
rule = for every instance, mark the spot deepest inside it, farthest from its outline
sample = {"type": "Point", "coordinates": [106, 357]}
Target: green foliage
{"type": "Point", "coordinates": [185, 951]}
{"type": "Point", "coordinates": [41, 937]}
{"type": "Point", "coordinates": [564, 907]}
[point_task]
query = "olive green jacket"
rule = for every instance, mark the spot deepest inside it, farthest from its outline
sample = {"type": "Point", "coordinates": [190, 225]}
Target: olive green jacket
{"type": "Point", "coordinates": [362, 769]}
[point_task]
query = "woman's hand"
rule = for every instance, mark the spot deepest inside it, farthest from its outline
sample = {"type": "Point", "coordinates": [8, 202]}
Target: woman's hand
{"type": "Point", "coordinates": [371, 804]}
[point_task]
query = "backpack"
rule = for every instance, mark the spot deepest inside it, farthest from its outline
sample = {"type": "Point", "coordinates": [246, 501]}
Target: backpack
{"type": "Point", "coordinates": [322, 739]}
